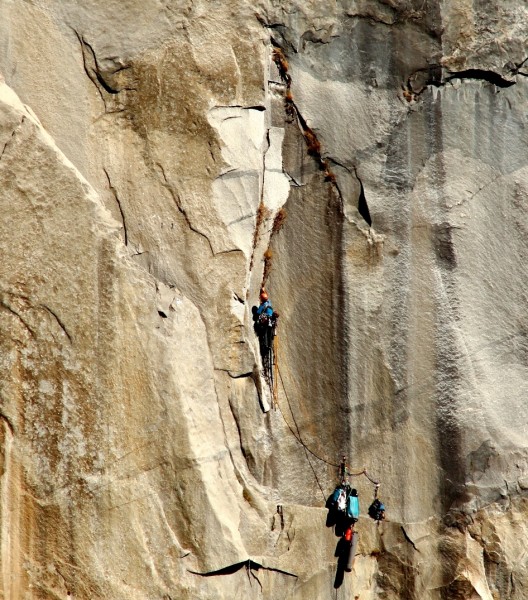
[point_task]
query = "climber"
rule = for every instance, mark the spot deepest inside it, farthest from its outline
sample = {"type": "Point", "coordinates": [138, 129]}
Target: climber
{"type": "Point", "coordinates": [265, 322]}
{"type": "Point", "coordinates": [265, 326]}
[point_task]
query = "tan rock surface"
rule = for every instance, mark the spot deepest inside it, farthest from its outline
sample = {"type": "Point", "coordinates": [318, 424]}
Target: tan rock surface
{"type": "Point", "coordinates": [146, 149]}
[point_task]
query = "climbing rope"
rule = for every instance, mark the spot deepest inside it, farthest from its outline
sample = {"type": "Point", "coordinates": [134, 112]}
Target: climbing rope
{"type": "Point", "coordinates": [276, 370]}
{"type": "Point", "coordinates": [344, 473]}
{"type": "Point", "coordinates": [308, 450]}
{"type": "Point", "coordinates": [299, 439]}
{"type": "Point", "coordinates": [364, 472]}
{"type": "Point", "coordinates": [298, 435]}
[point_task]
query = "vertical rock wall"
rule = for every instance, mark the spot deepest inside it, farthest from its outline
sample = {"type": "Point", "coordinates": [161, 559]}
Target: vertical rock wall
{"type": "Point", "coordinates": [159, 161]}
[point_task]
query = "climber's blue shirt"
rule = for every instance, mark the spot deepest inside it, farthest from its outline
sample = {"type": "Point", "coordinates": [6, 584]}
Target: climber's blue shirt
{"type": "Point", "coordinates": [265, 309]}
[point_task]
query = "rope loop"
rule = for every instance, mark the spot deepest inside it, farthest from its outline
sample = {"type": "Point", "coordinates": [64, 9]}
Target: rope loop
{"type": "Point", "coordinates": [342, 466]}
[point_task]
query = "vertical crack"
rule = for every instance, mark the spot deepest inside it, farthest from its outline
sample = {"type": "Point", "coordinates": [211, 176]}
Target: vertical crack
{"type": "Point", "coordinates": [261, 210]}
{"type": "Point", "coordinates": [88, 56]}
{"type": "Point", "coordinates": [121, 211]}
{"type": "Point", "coordinates": [362, 205]}
{"type": "Point", "coordinates": [8, 423]}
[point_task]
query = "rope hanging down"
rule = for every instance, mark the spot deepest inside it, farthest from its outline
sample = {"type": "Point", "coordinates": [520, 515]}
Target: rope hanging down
{"type": "Point", "coordinates": [299, 439]}
{"type": "Point", "coordinates": [416, 386]}
{"type": "Point", "coordinates": [275, 371]}
{"type": "Point", "coordinates": [298, 435]}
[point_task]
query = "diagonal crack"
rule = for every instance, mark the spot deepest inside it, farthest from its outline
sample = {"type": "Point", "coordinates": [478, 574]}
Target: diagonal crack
{"type": "Point", "coordinates": [11, 310]}
{"type": "Point", "coordinates": [166, 184]}
{"type": "Point", "coordinates": [88, 56]}
{"type": "Point", "coordinates": [405, 535]}
{"type": "Point", "coordinates": [95, 73]}
{"type": "Point", "coordinates": [121, 211]}
{"type": "Point", "coordinates": [58, 320]}
{"type": "Point", "coordinates": [4, 304]}
{"type": "Point", "coordinates": [481, 188]}
{"type": "Point", "coordinates": [362, 205]}
{"type": "Point", "coordinates": [93, 70]}
{"type": "Point", "coordinates": [7, 143]}
{"type": "Point", "coordinates": [313, 144]}
{"type": "Point", "coordinates": [11, 138]}
{"type": "Point", "coordinates": [516, 68]}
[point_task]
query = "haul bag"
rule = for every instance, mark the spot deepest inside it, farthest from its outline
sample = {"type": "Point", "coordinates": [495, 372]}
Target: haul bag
{"type": "Point", "coordinates": [352, 552]}
{"type": "Point", "coordinates": [332, 499]}
{"type": "Point", "coordinates": [353, 507]}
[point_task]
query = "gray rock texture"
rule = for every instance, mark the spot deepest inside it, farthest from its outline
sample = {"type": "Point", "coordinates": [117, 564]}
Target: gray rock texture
{"type": "Point", "coordinates": [159, 162]}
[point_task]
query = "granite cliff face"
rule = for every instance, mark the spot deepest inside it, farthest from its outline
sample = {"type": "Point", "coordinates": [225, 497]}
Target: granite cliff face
{"type": "Point", "coordinates": [159, 161]}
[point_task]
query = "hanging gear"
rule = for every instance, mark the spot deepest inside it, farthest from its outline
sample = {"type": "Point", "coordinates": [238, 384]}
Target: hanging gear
{"type": "Point", "coordinates": [352, 551]}
{"type": "Point", "coordinates": [331, 502]}
{"type": "Point", "coordinates": [343, 505]}
{"type": "Point", "coordinates": [352, 506]}
{"type": "Point", "coordinates": [343, 509]}
{"type": "Point", "coordinates": [376, 510]}
{"type": "Point", "coordinates": [342, 501]}
{"type": "Point", "coordinates": [348, 535]}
